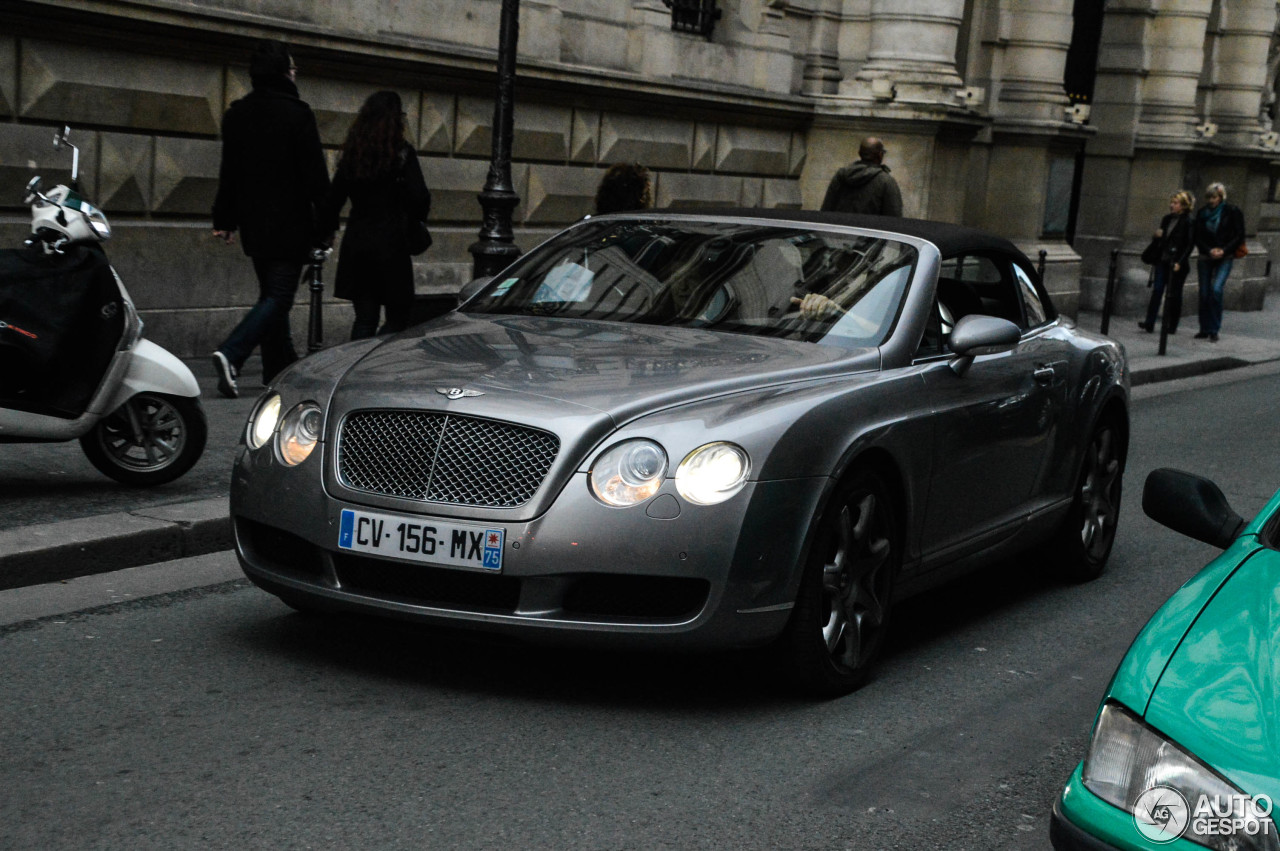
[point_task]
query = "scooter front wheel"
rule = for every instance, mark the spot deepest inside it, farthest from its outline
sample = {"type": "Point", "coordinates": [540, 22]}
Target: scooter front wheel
{"type": "Point", "coordinates": [151, 439]}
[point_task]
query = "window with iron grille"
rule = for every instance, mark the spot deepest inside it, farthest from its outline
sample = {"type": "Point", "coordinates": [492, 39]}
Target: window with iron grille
{"type": "Point", "coordinates": [693, 16]}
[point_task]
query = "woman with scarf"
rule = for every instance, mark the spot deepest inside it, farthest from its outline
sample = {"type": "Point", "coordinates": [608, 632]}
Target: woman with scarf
{"type": "Point", "coordinates": [1219, 232]}
{"type": "Point", "coordinates": [1173, 243]}
{"type": "Point", "coordinates": [379, 172]}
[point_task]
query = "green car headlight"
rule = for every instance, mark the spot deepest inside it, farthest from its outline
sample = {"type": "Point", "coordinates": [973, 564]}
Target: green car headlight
{"type": "Point", "coordinates": [299, 433]}
{"type": "Point", "coordinates": [263, 421]}
{"type": "Point", "coordinates": [1170, 793]}
{"type": "Point", "coordinates": [712, 473]}
{"type": "Point", "coordinates": [628, 473]}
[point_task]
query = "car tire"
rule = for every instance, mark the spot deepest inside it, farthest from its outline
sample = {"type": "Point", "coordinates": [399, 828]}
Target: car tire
{"type": "Point", "coordinates": [1084, 542]}
{"type": "Point", "coordinates": [842, 609]}
{"type": "Point", "coordinates": [152, 439]}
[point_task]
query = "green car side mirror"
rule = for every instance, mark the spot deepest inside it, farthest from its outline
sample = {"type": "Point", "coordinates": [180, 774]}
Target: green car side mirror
{"type": "Point", "coordinates": [1192, 505]}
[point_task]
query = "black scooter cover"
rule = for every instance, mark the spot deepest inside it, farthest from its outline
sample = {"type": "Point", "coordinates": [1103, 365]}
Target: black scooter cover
{"type": "Point", "coordinates": [63, 317]}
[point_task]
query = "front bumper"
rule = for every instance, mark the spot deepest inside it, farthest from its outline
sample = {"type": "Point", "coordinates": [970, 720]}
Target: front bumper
{"type": "Point", "coordinates": [708, 577]}
{"type": "Point", "coordinates": [1066, 836]}
{"type": "Point", "coordinates": [1082, 821]}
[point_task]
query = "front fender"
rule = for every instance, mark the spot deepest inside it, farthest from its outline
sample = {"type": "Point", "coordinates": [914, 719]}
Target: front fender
{"type": "Point", "coordinates": [152, 369]}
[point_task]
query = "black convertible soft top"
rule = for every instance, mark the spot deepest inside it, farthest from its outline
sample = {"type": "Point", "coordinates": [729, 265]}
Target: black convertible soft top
{"type": "Point", "coordinates": [950, 239]}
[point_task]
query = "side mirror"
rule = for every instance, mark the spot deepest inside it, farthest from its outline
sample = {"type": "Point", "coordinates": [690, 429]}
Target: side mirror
{"type": "Point", "coordinates": [1192, 505]}
{"type": "Point", "coordinates": [471, 288]}
{"type": "Point", "coordinates": [976, 334]}
{"type": "Point", "coordinates": [60, 141]}
{"type": "Point", "coordinates": [32, 191]}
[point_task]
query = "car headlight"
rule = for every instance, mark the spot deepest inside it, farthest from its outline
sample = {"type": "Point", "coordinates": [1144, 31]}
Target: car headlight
{"type": "Point", "coordinates": [263, 421]}
{"type": "Point", "coordinates": [713, 473]}
{"type": "Point", "coordinates": [299, 432]}
{"type": "Point", "coordinates": [1131, 766]}
{"type": "Point", "coordinates": [628, 473]}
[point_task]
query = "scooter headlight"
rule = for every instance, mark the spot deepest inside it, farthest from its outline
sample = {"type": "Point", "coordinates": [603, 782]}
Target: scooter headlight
{"type": "Point", "coordinates": [263, 421]}
{"type": "Point", "coordinates": [96, 221]}
{"type": "Point", "coordinates": [299, 433]}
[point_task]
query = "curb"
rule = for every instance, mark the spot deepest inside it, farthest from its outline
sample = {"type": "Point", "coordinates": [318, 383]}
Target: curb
{"type": "Point", "coordinates": [56, 552]}
{"type": "Point", "coordinates": [1187, 370]}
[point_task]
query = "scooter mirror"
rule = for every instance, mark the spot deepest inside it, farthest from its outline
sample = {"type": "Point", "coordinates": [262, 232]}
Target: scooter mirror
{"type": "Point", "coordinates": [33, 191]}
{"type": "Point", "coordinates": [59, 141]}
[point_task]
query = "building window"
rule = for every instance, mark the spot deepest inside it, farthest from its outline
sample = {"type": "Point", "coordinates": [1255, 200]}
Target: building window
{"type": "Point", "coordinates": [693, 16]}
{"type": "Point", "coordinates": [1057, 196]}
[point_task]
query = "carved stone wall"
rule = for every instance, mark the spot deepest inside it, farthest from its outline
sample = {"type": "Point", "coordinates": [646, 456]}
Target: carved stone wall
{"type": "Point", "coordinates": [966, 94]}
{"type": "Point", "coordinates": [146, 120]}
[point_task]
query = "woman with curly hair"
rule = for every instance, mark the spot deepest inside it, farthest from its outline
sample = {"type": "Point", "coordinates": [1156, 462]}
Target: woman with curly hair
{"type": "Point", "coordinates": [624, 187]}
{"type": "Point", "coordinates": [378, 171]}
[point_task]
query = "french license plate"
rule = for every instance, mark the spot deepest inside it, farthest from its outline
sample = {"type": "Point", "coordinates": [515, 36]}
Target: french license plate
{"type": "Point", "coordinates": [433, 541]}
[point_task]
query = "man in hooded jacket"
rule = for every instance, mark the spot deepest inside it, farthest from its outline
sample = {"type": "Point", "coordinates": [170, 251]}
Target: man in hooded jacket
{"type": "Point", "coordinates": [866, 186]}
{"type": "Point", "coordinates": [272, 181]}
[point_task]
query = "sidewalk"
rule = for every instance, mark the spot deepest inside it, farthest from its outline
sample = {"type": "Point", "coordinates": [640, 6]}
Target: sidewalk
{"type": "Point", "coordinates": [144, 529]}
{"type": "Point", "coordinates": [1248, 337]}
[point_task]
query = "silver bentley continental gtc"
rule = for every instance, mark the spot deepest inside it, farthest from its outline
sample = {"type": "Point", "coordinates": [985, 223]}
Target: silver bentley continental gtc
{"type": "Point", "coordinates": [713, 430]}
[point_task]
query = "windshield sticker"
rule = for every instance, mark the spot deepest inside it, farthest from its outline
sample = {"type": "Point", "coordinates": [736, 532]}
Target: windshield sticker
{"type": "Point", "coordinates": [502, 288]}
{"type": "Point", "coordinates": [567, 282]}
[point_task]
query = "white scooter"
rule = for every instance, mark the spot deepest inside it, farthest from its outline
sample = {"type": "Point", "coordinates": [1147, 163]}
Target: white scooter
{"type": "Point", "coordinates": [73, 363]}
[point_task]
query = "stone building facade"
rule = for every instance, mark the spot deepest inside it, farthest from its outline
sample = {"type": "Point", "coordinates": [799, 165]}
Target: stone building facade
{"type": "Point", "coordinates": [971, 97]}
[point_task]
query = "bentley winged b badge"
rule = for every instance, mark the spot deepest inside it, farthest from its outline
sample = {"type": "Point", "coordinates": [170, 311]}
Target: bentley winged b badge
{"type": "Point", "coordinates": [458, 392]}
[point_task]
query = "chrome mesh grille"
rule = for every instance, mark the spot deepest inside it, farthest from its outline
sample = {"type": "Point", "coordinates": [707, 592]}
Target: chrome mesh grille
{"type": "Point", "coordinates": [443, 457]}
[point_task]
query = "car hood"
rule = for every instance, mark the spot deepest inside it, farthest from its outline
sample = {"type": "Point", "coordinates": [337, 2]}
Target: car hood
{"type": "Point", "coordinates": [1219, 695]}
{"type": "Point", "coordinates": [615, 369]}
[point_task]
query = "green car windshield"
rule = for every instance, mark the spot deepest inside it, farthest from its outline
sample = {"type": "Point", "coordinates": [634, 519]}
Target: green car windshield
{"type": "Point", "coordinates": [736, 277]}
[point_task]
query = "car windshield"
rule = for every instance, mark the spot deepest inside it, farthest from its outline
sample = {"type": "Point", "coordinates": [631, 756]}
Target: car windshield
{"type": "Point", "coordinates": [731, 276]}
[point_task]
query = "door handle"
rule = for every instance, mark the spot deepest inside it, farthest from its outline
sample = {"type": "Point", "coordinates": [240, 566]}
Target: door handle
{"type": "Point", "coordinates": [1043, 374]}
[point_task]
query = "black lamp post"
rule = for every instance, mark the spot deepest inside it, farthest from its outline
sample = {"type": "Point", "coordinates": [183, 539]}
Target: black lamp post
{"type": "Point", "coordinates": [496, 247]}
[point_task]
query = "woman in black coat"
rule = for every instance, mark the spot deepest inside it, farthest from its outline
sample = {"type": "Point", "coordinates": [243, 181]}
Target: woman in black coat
{"type": "Point", "coordinates": [379, 172]}
{"type": "Point", "coordinates": [1173, 243]}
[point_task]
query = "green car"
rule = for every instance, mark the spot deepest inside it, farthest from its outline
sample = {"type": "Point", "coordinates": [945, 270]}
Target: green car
{"type": "Point", "coordinates": [1185, 751]}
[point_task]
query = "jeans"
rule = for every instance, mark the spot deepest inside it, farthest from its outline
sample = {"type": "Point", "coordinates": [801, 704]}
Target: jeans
{"type": "Point", "coordinates": [1213, 280]}
{"type": "Point", "coordinates": [1172, 304]}
{"type": "Point", "coordinates": [266, 325]}
{"type": "Point", "coordinates": [367, 310]}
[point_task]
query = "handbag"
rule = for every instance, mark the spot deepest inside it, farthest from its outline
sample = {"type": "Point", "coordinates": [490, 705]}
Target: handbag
{"type": "Point", "coordinates": [1151, 254]}
{"type": "Point", "coordinates": [417, 238]}
{"type": "Point", "coordinates": [1242, 250]}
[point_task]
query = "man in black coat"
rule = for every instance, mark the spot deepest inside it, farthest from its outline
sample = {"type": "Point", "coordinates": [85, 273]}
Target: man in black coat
{"type": "Point", "coordinates": [866, 186]}
{"type": "Point", "coordinates": [272, 182]}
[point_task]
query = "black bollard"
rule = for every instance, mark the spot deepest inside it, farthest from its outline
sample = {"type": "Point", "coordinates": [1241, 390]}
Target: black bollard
{"type": "Point", "coordinates": [1044, 256]}
{"type": "Point", "coordinates": [315, 317]}
{"type": "Point", "coordinates": [1111, 290]}
{"type": "Point", "coordinates": [1164, 308]}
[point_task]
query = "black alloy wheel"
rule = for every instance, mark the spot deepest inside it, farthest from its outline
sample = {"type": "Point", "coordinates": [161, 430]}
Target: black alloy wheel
{"type": "Point", "coordinates": [842, 610]}
{"type": "Point", "coordinates": [1085, 540]}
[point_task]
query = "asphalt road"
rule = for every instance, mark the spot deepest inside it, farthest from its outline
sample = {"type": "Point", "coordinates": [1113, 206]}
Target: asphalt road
{"type": "Point", "coordinates": [219, 717]}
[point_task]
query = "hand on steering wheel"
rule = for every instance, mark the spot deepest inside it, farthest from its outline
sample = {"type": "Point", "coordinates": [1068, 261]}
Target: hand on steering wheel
{"type": "Point", "coordinates": [815, 306]}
